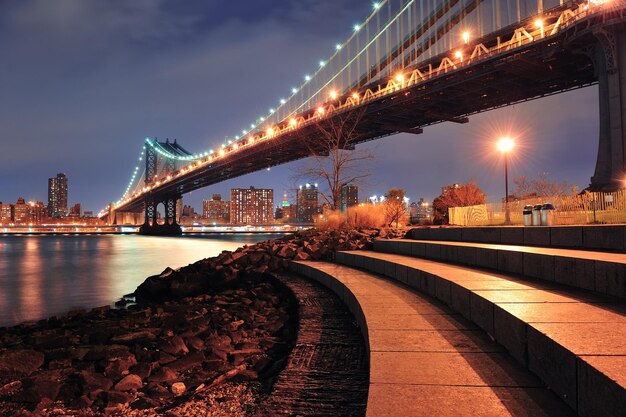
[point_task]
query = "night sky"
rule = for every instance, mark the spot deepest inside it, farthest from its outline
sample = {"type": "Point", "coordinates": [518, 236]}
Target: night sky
{"type": "Point", "coordinates": [82, 83]}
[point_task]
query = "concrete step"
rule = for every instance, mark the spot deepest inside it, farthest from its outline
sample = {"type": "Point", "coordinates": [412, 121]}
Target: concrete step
{"type": "Point", "coordinates": [588, 237]}
{"type": "Point", "coordinates": [574, 340]}
{"type": "Point", "coordinates": [602, 272]}
{"type": "Point", "coordinates": [425, 359]}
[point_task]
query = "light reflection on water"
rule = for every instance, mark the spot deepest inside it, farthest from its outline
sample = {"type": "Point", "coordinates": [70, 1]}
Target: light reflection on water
{"type": "Point", "coordinates": [41, 276]}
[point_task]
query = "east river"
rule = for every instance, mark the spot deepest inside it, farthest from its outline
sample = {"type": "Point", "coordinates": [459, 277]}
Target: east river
{"type": "Point", "coordinates": [42, 276]}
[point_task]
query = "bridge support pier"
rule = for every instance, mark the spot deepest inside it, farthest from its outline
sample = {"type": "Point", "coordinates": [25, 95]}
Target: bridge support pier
{"type": "Point", "coordinates": [609, 57]}
{"type": "Point", "coordinates": [151, 226]}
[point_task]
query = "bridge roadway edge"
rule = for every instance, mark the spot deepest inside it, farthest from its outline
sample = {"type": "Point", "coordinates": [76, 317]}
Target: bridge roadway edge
{"type": "Point", "coordinates": [425, 360]}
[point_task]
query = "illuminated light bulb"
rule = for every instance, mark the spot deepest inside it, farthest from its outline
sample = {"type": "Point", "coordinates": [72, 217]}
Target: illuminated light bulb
{"type": "Point", "coordinates": [283, 101]}
{"type": "Point", "coordinates": [307, 77]}
{"type": "Point", "coordinates": [506, 144]}
{"type": "Point", "coordinates": [251, 126]}
{"type": "Point", "coordinates": [272, 111]}
{"type": "Point", "coordinates": [236, 137]}
{"type": "Point", "coordinates": [357, 27]}
{"type": "Point", "coordinates": [376, 6]}
{"type": "Point", "coordinates": [355, 96]}
{"type": "Point", "coordinates": [466, 37]}
{"type": "Point", "coordinates": [539, 23]}
{"type": "Point", "coordinates": [270, 131]}
{"type": "Point", "coordinates": [338, 46]}
{"type": "Point", "coordinates": [400, 78]}
{"type": "Point", "coordinates": [320, 110]}
{"type": "Point", "coordinates": [333, 94]}
{"type": "Point", "coordinates": [250, 140]}
{"type": "Point", "coordinates": [222, 152]}
{"type": "Point", "coordinates": [293, 122]}
{"type": "Point", "coordinates": [244, 132]}
{"type": "Point", "coordinates": [235, 146]}
{"type": "Point", "coordinates": [294, 90]}
{"type": "Point", "coordinates": [322, 63]}
{"type": "Point", "coordinates": [459, 55]}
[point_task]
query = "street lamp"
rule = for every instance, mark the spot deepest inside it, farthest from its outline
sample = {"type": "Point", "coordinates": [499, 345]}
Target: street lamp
{"type": "Point", "coordinates": [506, 145]}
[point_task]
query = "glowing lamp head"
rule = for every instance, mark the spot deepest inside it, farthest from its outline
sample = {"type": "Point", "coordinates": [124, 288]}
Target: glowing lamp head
{"type": "Point", "coordinates": [539, 23]}
{"type": "Point", "coordinates": [355, 96]}
{"type": "Point", "coordinates": [506, 144]}
{"type": "Point", "coordinates": [222, 152]}
{"type": "Point", "coordinates": [250, 140]}
{"type": "Point", "coordinates": [376, 6]}
{"type": "Point", "coordinates": [270, 131]}
{"type": "Point", "coordinates": [320, 110]}
{"type": "Point", "coordinates": [307, 78]}
{"type": "Point", "coordinates": [357, 28]}
{"type": "Point", "coordinates": [466, 37]}
{"type": "Point", "coordinates": [294, 90]}
{"type": "Point", "coordinates": [400, 77]}
{"type": "Point", "coordinates": [293, 122]}
{"type": "Point", "coordinates": [458, 54]}
{"type": "Point", "coordinates": [283, 101]}
{"type": "Point", "coordinates": [338, 46]}
{"type": "Point", "coordinates": [333, 94]}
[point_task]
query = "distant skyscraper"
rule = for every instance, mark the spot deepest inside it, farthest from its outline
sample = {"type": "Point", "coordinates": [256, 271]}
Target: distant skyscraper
{"type": "Point", "coordinates": [57, 196]}
{"type": "Point", "coordinates": [349, 197]}
{"type": "Point", "coordinates": [216, 210]}
{"type": "Point", "coordinates": [251, 206]}
{"type": "Point", "coordinates": [307, 198]}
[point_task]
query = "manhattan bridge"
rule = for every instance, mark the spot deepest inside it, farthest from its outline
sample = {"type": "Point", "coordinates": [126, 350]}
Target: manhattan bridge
{"type": "Point", "coordinates": [411, 64]}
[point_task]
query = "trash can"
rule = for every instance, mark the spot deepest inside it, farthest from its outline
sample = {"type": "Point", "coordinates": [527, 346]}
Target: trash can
{"type": "Point", "coordinates": [528, 215]}
{"type": "Point", "coordinates": [547, 214]}
{"type": "Point", "coordinates": [537, 215]}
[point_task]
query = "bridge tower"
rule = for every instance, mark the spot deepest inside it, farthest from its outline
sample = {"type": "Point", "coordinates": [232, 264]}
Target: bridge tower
{"type": "Point", "coordinates": [156, 160]}
{"type": "Point", "coordinates": [609, 58]}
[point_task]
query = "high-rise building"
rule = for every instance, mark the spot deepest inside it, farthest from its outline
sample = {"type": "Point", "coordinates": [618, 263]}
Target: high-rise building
{"type": "Point", "coordinates": [216, 210]}
{"type": "Point", "coordinates": [251, 206]}
{"type": "Point", "coordinates": [57, 196]}
{"type": "Point", "coordinates": [307, 197]}
{"type": "Point", "coordinates": [21, 212]}
{"type": "Point", "coordinates": [6, 213]}
{"type": "Point", "coordinates": [349, 197]}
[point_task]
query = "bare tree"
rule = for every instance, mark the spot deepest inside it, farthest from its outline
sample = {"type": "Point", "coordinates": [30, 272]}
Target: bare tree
{"type": "Point", "coordinates": [334, 161]}
{"type": "Point", "coordinates": [395, 207]}
{"type": "Point", "coordinates": [542, 186]}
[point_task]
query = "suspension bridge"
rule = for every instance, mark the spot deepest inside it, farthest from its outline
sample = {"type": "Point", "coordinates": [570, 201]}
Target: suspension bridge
{"type": "Point", "coordinates": [409, 65]}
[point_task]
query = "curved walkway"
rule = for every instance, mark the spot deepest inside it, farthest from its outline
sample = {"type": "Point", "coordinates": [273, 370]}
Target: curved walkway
{"type": "Point", "coordinates": [425, 360]}
{"type": "Point", "coordinates": [326, 373]}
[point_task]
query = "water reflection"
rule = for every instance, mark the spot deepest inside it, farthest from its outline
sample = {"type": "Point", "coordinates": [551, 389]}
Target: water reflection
{"type": "Point", "coordinates": [41, 276]}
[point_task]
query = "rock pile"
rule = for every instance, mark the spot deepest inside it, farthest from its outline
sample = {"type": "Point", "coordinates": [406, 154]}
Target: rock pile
{"type": "Point", "coordinates": [147, 357]}
{"type": "Point", "coordinates": [270, 256]}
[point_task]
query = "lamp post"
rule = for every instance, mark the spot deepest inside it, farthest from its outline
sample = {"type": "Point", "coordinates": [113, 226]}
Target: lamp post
{"type": "Point", "coordinates": [506, 145]}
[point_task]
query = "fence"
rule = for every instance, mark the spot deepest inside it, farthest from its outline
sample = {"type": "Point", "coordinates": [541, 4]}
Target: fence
{"type": "Point", "coordinates": [574, 209]}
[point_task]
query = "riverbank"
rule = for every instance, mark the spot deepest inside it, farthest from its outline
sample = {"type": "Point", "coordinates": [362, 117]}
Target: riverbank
{"type": "Point", "coordinates": [219, 321]}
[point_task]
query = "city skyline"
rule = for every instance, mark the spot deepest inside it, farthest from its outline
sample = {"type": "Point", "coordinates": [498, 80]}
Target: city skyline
{"type": "Point", "coordinates": [102, 142]}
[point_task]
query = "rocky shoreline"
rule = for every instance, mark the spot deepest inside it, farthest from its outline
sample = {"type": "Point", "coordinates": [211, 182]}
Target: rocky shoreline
{"type": "Point", "coordinates": [206, 339]}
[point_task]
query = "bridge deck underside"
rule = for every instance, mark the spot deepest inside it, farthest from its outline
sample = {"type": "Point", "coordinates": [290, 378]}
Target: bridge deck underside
{"type": "Point", "coordinates": [524, 74]}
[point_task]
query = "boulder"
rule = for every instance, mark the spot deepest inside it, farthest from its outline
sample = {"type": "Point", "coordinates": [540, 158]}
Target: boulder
{"type": "Point", "coordinates": [175, 346]}
{"type": "Point", "coordinates": [23, 362]}
{"type": "Point", "coordinates": [129, 383]}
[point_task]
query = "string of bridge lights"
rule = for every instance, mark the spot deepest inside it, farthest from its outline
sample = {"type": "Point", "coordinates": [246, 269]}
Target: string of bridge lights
{"type": "Point", "coordinates": [307, 78]}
